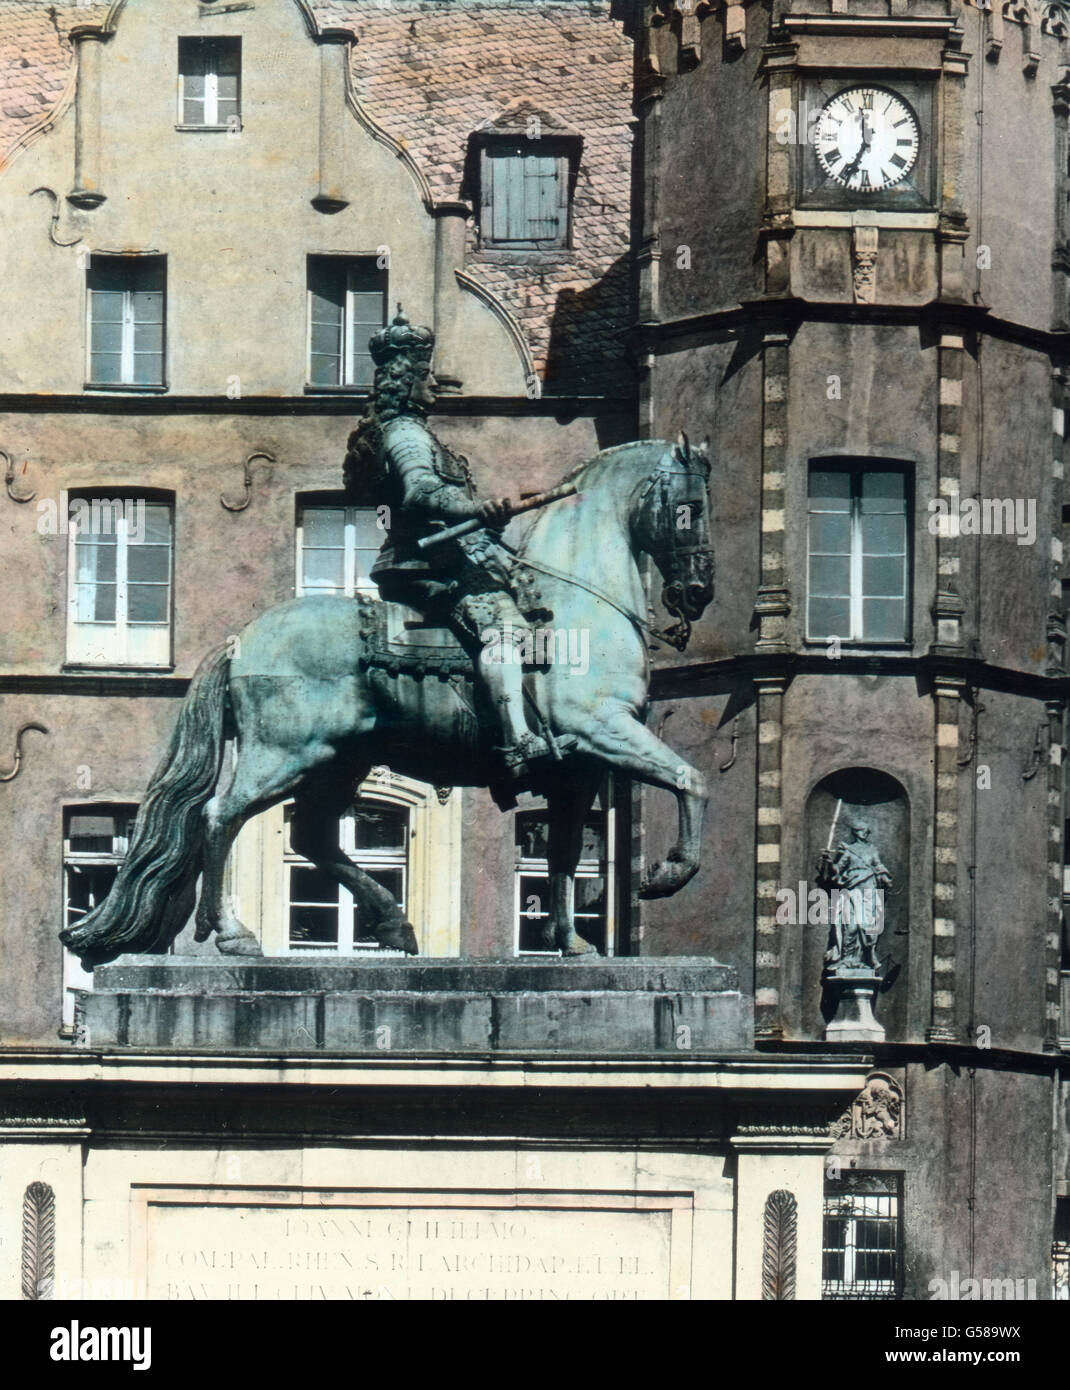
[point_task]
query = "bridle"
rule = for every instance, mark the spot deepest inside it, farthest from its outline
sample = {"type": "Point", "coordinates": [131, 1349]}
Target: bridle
{"type": "Point", "coordinates": [678, 634]}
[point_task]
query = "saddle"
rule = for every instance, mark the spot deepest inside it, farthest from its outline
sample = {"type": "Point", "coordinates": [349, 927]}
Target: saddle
{"type": "Point", "coordinates": [414, 649]}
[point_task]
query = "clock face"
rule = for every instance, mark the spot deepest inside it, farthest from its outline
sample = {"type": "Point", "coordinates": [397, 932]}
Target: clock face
{"type": "Point", "coordinates": [866, 138]}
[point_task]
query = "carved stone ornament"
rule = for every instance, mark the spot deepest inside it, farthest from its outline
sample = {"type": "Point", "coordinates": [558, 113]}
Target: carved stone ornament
{"type": "Point", "coordinates": [875, 1113]}
{"type": "Point", "coordinates": [779, 1242]}
{"type": "Point", "coordinates": [38, 1242]}
{"type": "Point", "coordinates": [864, 264]}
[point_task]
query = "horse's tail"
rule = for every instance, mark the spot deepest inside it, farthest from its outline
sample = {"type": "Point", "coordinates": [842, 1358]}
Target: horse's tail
{"type": "Point", "coordinates": [154, 890]}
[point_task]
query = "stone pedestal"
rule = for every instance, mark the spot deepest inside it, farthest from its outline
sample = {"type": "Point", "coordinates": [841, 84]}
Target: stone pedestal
{"type": "Point", "coordinates": [854, 1020]}
{"type": "Point", "coordinates": [674, 1006]}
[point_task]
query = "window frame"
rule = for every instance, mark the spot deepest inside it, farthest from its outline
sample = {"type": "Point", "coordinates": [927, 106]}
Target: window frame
{"type": "Point", "coordinates": [607, 869]}
{"type": "Point", "coordinates": [862, 1187]}
{"type": "Point", "coordinates": [156, 656]}
{"type": "Point", "coordinates": [208, 43]}
{"type": "Point", "coordinates": [352, 585]}
{"type": "Point", "coordinates": [499, 147]}
{"type": "Point", "coordinates": [74, 975]}
{"type": "Point", "coordinates": [367, 859]}
{"type": "Point", "coordinates": [129, 323]}
{"type": "Point", "coordinates": [353, 266]}
{"type": "Point", "coordinates": [855, 468]}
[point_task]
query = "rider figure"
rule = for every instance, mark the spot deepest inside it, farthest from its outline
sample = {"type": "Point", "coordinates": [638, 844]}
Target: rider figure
{"type": "Point", "coordinates": [466, 583]}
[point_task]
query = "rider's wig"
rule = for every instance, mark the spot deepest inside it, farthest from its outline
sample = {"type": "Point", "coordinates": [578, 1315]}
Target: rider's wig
{"type": "Point", "coordinates": [391, 397]}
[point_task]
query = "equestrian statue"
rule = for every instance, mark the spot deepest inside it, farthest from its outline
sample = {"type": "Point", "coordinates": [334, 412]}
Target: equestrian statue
{"type": "Point", "coordinates": [452, 687]}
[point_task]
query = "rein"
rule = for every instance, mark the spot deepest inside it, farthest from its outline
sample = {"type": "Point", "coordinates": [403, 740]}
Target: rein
{"type": "Point", "coordinates": [678, 634]}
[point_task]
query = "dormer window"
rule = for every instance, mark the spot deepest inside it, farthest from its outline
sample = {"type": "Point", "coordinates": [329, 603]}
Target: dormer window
{"type": "Point", "coordinates": [524, 194]}
{"type": "Point", "coordinates": [209, 84]}
{"type": "Point", "coordinates": [521, 169]}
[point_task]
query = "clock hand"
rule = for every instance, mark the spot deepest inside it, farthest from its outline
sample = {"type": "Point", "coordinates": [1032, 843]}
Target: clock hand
{"type": "Point", "coordinates": [863, 149]}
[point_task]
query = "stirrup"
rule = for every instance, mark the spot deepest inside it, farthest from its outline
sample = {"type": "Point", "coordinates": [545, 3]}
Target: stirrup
{"type": "Point", "coordinates": [527, 749]}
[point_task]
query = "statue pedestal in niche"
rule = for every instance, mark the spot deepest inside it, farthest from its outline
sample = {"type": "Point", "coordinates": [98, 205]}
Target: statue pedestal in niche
{"type": "Point", "coordinates": [856, 881]}
{"type": "Point", "coordinates": [854, 1020]}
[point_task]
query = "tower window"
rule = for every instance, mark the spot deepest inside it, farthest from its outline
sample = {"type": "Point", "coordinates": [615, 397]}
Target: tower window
{"type": "Point", "coordinates": [347, 299]}
{"type": "Point", "coordinates": [861, 1254]}
{"type": "Point", "coordinates": [859, 554]}
{"type": "Point", "coordinates": [209, 83]}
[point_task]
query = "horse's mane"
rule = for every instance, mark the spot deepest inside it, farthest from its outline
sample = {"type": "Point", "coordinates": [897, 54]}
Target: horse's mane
{"type": "Point", "coordinates": [591, 470]}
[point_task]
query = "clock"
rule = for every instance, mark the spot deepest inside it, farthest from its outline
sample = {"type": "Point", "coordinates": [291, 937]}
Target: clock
{"type": "Point", "coordinates": [865, 142]}
{"type": "Point", "coordinates": [866, 139]}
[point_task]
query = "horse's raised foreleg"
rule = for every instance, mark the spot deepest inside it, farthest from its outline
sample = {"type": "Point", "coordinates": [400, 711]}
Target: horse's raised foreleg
{"type": "Point", "coordinates": [629, 747]}
{"type": "Point", "coordinates": [314, 834]}
{"type": "Point", "coordinates": [568, 805]}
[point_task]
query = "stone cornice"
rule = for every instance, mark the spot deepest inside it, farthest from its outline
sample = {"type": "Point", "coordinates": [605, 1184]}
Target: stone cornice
{"type": "Point", "coordinates": [789, 313]}
{"type": "Point", "coordinates": [340, 403]}
{"type": "Point", "coordinates": [693, 678]}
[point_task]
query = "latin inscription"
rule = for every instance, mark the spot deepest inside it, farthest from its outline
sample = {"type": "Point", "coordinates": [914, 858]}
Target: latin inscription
{"type": "Point", "coordinates": [257, 1253]}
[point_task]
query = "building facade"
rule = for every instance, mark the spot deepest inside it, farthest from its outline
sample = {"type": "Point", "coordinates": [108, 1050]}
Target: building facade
{"type": "Point", "coordinates": [801, 231]}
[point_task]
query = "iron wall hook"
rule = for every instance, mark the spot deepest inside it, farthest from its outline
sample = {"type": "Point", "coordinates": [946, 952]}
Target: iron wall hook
{"type": "Point", "coordinates": [247, 482]}
{"type": "Point", "coordinates": [9, 480]}
{"type": "Point", "coordinates": [31, 724]}
{"type": "Point", "coordinates": [54, 222]}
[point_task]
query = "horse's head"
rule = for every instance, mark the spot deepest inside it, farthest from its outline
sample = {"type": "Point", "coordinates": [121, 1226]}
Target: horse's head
{"type": "Point", "coordinates": [672, 526]}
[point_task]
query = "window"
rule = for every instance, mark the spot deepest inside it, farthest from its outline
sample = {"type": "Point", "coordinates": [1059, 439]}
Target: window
{"type": "Point", "coordinates": [119, 605]}
{"type": "Point", "coordinates": [95, 841]}
{"type": "Point", "coordinates": [209, 83]}
{"type": "Point", "coordinates": [336, 548]}
{"type": "Point", "coordinates": [595, 879]}
{"type": "Point", "coordinates": [858, 585]}
{"type": "Point", "coordinates": [861, 1257]}
{"type": "Point", "coordinates": [1060, 1252]}
{"type": "Point", "coordinates": [347, 303]}
{"type": "Point", "coordinates": [125, 305]}
{"type": "Point", "coordinates": [525, 194]}
{"type": "Point", "coordinates": [323, 916]}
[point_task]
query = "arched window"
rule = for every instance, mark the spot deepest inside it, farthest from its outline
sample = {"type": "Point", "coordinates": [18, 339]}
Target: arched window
{"type": "Point", "coordinates": [595, 913]}
{"type": "Point", "coordinates": [322, 915]}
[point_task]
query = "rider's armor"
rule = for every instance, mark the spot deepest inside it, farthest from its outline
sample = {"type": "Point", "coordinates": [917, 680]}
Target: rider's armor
{"type": "Point", "coordinates": [468, 583]}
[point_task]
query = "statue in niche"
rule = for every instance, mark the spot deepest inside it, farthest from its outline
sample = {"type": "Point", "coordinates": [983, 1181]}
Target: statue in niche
{"type": "Point", "coordinates": [856, 881]}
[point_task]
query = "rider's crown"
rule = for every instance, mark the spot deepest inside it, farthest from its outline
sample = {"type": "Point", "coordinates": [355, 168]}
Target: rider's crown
{"type": "Point", "coordinates": [401, 339]}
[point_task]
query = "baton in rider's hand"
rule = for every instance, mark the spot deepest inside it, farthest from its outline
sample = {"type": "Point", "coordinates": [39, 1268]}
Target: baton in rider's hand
{"type": "Point", "coordinates": [496, 512]}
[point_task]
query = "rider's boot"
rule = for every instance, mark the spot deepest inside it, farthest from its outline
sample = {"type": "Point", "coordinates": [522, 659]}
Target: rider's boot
{"type": "Point", "coordinates": [505, 680]}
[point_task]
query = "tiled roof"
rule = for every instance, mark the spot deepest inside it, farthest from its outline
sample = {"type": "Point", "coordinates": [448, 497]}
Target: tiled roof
{"type": "Point", "coordinates": [35, 62]}
{"type": "Point", "coordinates": [431, 72]}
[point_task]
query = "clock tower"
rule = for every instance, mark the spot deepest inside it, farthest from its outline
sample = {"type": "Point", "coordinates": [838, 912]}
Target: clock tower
{"type": "Point", "coordinates": [853, 263]}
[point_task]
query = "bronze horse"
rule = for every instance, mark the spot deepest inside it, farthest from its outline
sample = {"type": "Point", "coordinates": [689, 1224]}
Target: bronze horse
{"type": "Point", "coordinates": [311, 715]}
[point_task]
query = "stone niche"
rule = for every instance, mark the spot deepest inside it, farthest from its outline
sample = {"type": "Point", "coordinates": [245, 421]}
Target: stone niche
{"type": "Point", "coordinates": [867, 794]}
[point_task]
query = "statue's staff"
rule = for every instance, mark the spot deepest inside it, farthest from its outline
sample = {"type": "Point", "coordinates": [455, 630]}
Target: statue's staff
{"type": "Point", "coordinates": [474, 523]}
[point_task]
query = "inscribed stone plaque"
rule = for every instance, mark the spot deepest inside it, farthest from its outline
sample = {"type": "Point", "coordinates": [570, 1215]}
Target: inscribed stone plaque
{"type": "Point", "coordinates": [388, 1252]}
